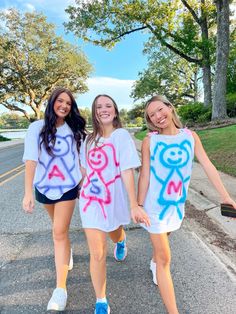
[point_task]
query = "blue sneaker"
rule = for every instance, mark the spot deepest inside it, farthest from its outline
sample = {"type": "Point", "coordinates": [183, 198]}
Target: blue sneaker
{"type": "Point", "coordinates": [102, 308]}
{"type": "Point", "coordinates": [120, 251]}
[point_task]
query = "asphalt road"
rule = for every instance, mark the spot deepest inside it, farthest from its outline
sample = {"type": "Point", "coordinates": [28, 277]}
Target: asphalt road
{"type": "Point", "coordinates": [10, 157]}
{"type": "Point", "coordinates": [202, 282]}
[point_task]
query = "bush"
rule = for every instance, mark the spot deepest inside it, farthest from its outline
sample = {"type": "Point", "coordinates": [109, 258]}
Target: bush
{"type": "Point", "coordinates": [144, 127]}
{"type": "Point", "coordinates": [205, 117]}
{"type": "Point", "coordinates": [131, 125]}
{"type": "Point", "coordinates": [194, 113]}
{"type": "Point", "coordinates": [139, 121]}
{"type": "Point", "coordinates": [3, 139]}
{"type": "Point", "coordinates": [231, 105]}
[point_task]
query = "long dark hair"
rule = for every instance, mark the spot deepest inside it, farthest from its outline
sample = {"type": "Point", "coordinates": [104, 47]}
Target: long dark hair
{"type": "Point", "coordinates": [97, 129]}
{"type": "Point", "coordinates": [75, 121]}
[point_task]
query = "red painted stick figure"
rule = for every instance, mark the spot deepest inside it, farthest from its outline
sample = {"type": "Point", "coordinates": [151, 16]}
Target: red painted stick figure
{"type": "Point", "coordinates": [96, 189]}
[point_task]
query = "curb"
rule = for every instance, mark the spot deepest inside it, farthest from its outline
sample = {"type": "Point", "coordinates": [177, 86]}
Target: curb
{"type": "Point", "coordinates": [213, 211]}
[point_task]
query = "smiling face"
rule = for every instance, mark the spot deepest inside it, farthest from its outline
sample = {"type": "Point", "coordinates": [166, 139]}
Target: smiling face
{"type": "Point", "coordinates": [174, 156]}
{"type": "Point", "coordinates": [61, 147]}
{"type": "Point", "coordinates": [62, 107]}
{"type": "Point", "coordinates": [97, 159]}
{"type": "Point", "coordinates": [105, 111]}
{"type": "Point", "coordinates": [159, 114]}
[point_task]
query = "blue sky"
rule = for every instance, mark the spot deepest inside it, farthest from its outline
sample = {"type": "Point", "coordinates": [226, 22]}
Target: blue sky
{"type": "Point", "coordinates": [114, 70]}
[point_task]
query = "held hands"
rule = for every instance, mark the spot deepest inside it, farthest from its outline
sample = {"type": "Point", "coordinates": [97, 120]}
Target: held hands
{"type": "Point", "coordinates": [28, 203]}
{"type": "Point", "coordinates": [139, 215]}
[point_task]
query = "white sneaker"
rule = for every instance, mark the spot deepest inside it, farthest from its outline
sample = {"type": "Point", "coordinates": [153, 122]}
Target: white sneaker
{"type": "Point", "coordinates": [153, 269]}
{"type": "Point", "coordinates": [70, 266]}
{"type": "Point", "coordinates": [58, 300]}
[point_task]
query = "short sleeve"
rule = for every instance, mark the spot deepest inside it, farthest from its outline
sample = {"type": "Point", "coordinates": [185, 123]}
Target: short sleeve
{"type": "Point", "coordinates": [128, 155]}
{"type": "Point", "coordinates": [31, 147]}
{"type": "Point", "coordinates": [82, 154]}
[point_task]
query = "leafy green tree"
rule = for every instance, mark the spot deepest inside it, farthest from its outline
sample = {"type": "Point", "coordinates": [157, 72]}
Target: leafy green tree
{"type": "Point", "coordinates": [181, 26]}
{"type": "Point", "coordinates": [86, 113]}
{"type": "Point", "coordinates": [34, 60]}
{"type": "Point", "coordinates": [139, 121]}
{"type": "Point", "coordinates": [2, 122]}
{"type": "Point", "coordinates": [169, 75]}
{"type": "Point", "coordinates": [13, 120]}
{"type": "Point", "coordinates": [187, 28]}
{"type": "Point", "coordinates": [136, 111]}
{"type": "Point", "coordinates": [231, 73]}
{"type": "Point", "coordinates": [124, 116]}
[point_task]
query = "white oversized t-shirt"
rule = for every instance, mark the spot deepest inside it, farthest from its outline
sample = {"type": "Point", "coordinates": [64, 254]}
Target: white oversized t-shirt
{"type": "Point", "coordinates": [171, 158]}
{"type": "Point", "coordinates": [103, 198]}
{"type": "Point", "coordinates": [54, 175]}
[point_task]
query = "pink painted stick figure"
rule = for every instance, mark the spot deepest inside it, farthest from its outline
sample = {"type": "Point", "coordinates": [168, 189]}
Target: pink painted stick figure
{"type": "Point", "coordinates": [96, 189]}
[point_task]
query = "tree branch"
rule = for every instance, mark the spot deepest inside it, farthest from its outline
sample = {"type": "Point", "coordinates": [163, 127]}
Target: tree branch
{"type": "Point", "coordinates": [172, 48]}
{"type": "Point", "coordinates": [196, 18]}
{"type": "Point", "coordinates": [187, 95]}
{"type": "Point", "coordinates": [15, 108]}
{"type": "Point", "coordinates": [123, 34]}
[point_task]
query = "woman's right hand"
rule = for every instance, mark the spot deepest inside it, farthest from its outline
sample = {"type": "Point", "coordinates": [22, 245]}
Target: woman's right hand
{"type": "Point", "coordinates": [139, 215]}
{"type": "Point", "coordinates": [28, 203]}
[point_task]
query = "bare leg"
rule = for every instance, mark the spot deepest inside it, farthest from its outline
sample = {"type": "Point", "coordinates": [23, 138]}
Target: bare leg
{"type": "Point", "coordinates": [162, 256]}
{"type": "Point", "coordinates": [50, 210]}
{"type": "Point", "coordinates": [117, 235]}
{"type": "Point", "coordinates": [61, 217]}
{"type": "Point", "coordinates": [153, 257]}
{"type": "Point", "coordinates": [98, 250]}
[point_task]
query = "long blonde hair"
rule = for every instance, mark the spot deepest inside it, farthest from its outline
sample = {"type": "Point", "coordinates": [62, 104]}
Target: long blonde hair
{"type": "Point", "coordinates": [175, 118]}
{"type": "Point", "coordinates": [97, 130]}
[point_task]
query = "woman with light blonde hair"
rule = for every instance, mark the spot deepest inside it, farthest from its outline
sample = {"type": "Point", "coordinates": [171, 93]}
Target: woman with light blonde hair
{"type": "Point", "coordinates": [167, 156]}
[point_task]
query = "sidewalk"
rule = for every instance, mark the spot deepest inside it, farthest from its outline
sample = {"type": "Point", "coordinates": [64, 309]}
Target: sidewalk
{"type": "Point", "coordinates": [203, 196]}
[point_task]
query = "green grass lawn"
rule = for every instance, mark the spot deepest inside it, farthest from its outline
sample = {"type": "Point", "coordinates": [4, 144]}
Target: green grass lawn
{"type": "Point", "coordinates": [220, 145]}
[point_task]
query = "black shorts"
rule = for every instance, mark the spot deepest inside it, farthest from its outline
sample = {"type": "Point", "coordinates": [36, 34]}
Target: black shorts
{"type": "Point", "coordinates": [68, 196]}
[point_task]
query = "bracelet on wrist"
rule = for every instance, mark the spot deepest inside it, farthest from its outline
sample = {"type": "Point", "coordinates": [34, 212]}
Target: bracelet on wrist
{"type": "Point", "coordinates": [140, 205]}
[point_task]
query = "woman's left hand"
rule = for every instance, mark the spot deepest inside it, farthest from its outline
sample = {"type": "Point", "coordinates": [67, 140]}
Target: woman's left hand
{"type": "Point", "coordinates": [139, 215]}
{"type": "Point", "coordinates": [230, 201]}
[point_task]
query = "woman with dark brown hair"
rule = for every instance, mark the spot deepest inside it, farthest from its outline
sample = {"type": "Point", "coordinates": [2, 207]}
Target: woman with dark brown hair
{"type": "Point", "coordinates": [51, 159]}
{"type": "Point", "coordinates": [109, 160]}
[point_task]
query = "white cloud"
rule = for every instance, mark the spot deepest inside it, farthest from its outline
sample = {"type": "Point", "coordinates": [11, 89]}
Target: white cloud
{"type": "Point", "coordinates": [233, 11]}
{"type": "Point", "coordinates": [116, 88]}
{"type": "Point", "coordinates": [29, 7]}
{"type": "Point", "coordinates": [54, 8]}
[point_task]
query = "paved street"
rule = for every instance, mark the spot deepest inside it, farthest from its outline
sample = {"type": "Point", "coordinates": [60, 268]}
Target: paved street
{"type": "Point", "coordinates": [10, 157]}
{"type": "Point", "coordinates": [203, 284]}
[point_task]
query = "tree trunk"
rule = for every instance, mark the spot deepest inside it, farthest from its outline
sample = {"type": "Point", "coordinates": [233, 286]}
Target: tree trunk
{"type": "Point", "coordinates": [37, 114]}
{"type": "Point", "coordinates": [195, 86]}
{"type": "Point", "coordinates": [222, 55]}
{"type": "Point", "coordinates": [207, 84]}
{"type": "Point", "coordinates": [206, 64]}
